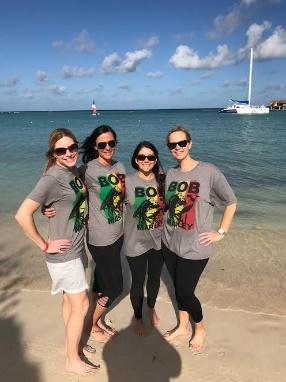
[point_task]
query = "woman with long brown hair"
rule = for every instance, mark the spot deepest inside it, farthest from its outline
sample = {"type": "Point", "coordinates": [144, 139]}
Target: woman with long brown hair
{"type": "Point", "coordinates": [143, 225]}
{"type": "Point", "coordinates": [61, 187]}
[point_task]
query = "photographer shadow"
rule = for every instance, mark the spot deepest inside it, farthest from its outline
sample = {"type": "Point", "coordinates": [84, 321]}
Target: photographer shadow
{"type": "Point", "coordinates": [132, 358]}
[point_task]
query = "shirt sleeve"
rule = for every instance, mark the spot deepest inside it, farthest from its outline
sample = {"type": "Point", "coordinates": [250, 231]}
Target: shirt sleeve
{"type": "Point", "coordinates": [121, 168]}
{"type": "Point", "coordinates": [46, 191]}
{"type": "Point", "coordinates": [221, 194]}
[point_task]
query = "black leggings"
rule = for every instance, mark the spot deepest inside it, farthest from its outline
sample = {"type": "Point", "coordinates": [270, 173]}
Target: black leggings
{"type": "Point", "coordinates": [185, 274]}
{"type": "Point", "coordinates": [138, 265]}
{"type": "Point", "coordinates": [108, 279]}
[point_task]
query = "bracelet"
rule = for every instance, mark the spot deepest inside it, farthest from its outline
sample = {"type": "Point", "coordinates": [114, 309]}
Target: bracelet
{"type": "Point", "coordinates": [46, 247]}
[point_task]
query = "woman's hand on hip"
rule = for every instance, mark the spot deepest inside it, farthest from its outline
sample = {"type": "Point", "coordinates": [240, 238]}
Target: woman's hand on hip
{"type": "Point", "coordinates": [58, 246]}
{"type": "Point", "coordinates": [207, 238]}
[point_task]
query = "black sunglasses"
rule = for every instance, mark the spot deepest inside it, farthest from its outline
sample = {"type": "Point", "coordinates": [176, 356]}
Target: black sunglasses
{"type": "Point", "coordinates": [62, 150]}
{"type": "Point", "coordinates": [102, 145]}
{"type": "Point", "coordinates": [142, 157]}
{"type": "Point", "coordinates": [173, 145]}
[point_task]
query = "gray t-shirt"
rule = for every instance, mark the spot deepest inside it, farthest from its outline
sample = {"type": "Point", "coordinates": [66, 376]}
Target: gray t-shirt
{"type": "Point", "coordinates": [191, 197]}
{"type": "Point", "coordinates": [143, 221]}
{"type": "Point", "coordinates": [106, 188]}
{"type": "Point", "coordinates": [63, 190]}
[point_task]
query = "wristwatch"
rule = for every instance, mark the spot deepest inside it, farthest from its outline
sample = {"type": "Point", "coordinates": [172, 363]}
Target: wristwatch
{"type": "Point", "coordinates": [221, 231]}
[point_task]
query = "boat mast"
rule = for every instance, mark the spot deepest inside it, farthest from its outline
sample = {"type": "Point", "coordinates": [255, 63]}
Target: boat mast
{"type": "Point", "coordinates": [250, 76]}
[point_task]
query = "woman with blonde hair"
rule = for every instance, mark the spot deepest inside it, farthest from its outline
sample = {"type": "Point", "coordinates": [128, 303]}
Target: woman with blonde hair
{"type": "Point", "coordinates": [61, 187]}
{"type": "Point", "coordinates": [193, 189]}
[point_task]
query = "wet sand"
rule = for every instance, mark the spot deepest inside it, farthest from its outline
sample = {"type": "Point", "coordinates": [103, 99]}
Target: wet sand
{"type": "Point", "coordinates": [243, 293]}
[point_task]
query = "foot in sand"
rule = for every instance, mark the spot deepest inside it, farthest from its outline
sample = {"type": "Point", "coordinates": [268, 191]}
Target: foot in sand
{"type": "Point", "coordinates": [105, 327]}
{"type": "Point", "coordinates": [139, 328]}
{"type": "Point", "coordinates": [176, 332]}
{"type": "Point", "coordinates": [99, 334]}
{"type": "Point", "coordinates": [80, 368]}
{"type": "Point", "coordinates": [197, 342]}
{"type": "Point", "coordinates": [87, 350]}
{"type": "Point", "coordinates": [154, 319]}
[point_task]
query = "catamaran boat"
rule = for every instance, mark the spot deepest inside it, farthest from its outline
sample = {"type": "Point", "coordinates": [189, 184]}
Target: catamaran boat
{"type": "Point", "coordinates": [244, 107]}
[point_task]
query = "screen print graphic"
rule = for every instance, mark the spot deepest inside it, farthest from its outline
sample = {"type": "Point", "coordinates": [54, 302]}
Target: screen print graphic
{"type": "Point", "coordinates": [180, 198]}
{"type": "Point", "coordinates": [149, 208]}
{"type": "Point", "coordinates": [79, 206]}
{"type": "Point", "coordinates": [111, 194]}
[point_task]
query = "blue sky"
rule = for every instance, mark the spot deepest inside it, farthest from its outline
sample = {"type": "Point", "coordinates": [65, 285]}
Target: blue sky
{"type": "Point", "coordinates": [60, 55]}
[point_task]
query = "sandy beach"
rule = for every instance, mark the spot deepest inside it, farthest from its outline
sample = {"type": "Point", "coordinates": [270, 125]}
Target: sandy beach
{"type": "Point", "coordinates": [242, 290]}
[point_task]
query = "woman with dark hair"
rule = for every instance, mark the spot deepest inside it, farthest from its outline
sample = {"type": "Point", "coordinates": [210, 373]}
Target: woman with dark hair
{"type": "Point", "coordinates": [142, 229]}
{"type": "Point", "coordinates": [193, 189]}
{"type": "Point", "coordinates": [61, 187]}
{"type": "Point", "coordinates": [105, 180]}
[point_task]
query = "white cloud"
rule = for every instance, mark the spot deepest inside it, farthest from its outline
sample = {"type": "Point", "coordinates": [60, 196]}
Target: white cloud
{"type": "Point", "coordinates": [274, 46]}
{"type": "Point", "coordinates": [157, 74]}
{"type": "Point", "coordinates": [152, 42]}
{"type": "Point", "coordinates": [73, 72]}
{"type": "Point", "coordinates": [255, 32]}
{"type": "Point", "coordinates": [132, 60]}
{"type": "Point", "coordinates": [81, 43]}
{"type": "Point", "coordinates": [187, 58]}
{"type": "Point", "coordinates": [57, 89]}
{"type": "Point", "coordinates": [112, 63]}
{"type": "Point", "coordinates": [225, 25]}
{"type": "Point", "coordinates": [41, 76]}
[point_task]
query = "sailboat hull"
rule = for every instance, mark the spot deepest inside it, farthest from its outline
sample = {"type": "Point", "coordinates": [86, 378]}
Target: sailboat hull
{"type": "Point", "coordinates": [245, 109]}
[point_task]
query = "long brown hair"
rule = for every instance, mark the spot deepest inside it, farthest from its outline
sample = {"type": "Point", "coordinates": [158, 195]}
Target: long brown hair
{"type": "Point", "coordinates": [55, 136]}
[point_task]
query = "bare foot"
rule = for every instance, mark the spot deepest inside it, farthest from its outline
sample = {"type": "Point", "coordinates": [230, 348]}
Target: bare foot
{"type": "Point", "coordinates": [105, 327]}
{"type": "Point", "coordinates": [154, 319]}
{"type": "Point", "coordinates": [197, 342]}
{"type": "Point", "coordinates": [139, 328]}
{"type": "Point", "coordinates": [99, 335]}
{"type": "Point", "coordinates": [175, 332]}
{"type": "Point", "coordinates": [79, 367]}
{"type": "Point", "coordinates": [87, 350]}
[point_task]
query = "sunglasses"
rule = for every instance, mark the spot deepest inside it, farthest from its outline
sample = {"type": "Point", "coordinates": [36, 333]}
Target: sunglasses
{"type": "Point", "coordinates": [62, 150]}
{"type": "Point", "coordinates": [173, 145]}
{"type": "Point", "coordinates": [102, 145]}
{"type": "Point", "coordinates": [142, 157]}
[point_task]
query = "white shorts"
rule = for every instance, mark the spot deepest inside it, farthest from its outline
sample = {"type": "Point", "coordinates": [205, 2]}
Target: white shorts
{"type": "Point", "coordinates": [67, 277]}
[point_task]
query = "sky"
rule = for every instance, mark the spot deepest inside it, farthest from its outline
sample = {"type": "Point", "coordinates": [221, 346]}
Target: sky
{"type": "Point", "coordinates": [159, 54]}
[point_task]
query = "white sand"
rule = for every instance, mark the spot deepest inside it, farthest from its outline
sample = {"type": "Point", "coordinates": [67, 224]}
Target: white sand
{"type": "Point", "coordinates": [243, 292]}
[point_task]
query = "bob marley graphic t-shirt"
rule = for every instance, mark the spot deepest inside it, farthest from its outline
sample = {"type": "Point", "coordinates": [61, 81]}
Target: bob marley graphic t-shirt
{"type": "Point", "coordinates": [106, 188]}
{"type": "Point", "coordinates": [62, 189]}
{"type": "Point", "coordinates": [191, 197]}
{"type": "Point", "coordinates": [143, 221]}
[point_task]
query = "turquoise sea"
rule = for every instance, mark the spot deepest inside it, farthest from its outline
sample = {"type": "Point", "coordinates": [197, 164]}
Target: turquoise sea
{"type": "Point", "coordinates": [250, 150]}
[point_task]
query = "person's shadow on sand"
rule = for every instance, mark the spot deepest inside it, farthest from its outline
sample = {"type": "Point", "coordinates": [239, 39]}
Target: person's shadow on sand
{"type": "Point", "coordinates": [132, 358]}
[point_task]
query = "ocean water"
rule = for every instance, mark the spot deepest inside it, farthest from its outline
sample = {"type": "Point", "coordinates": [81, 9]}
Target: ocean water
{"type": "Point", "coordinates": [250, 150]}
